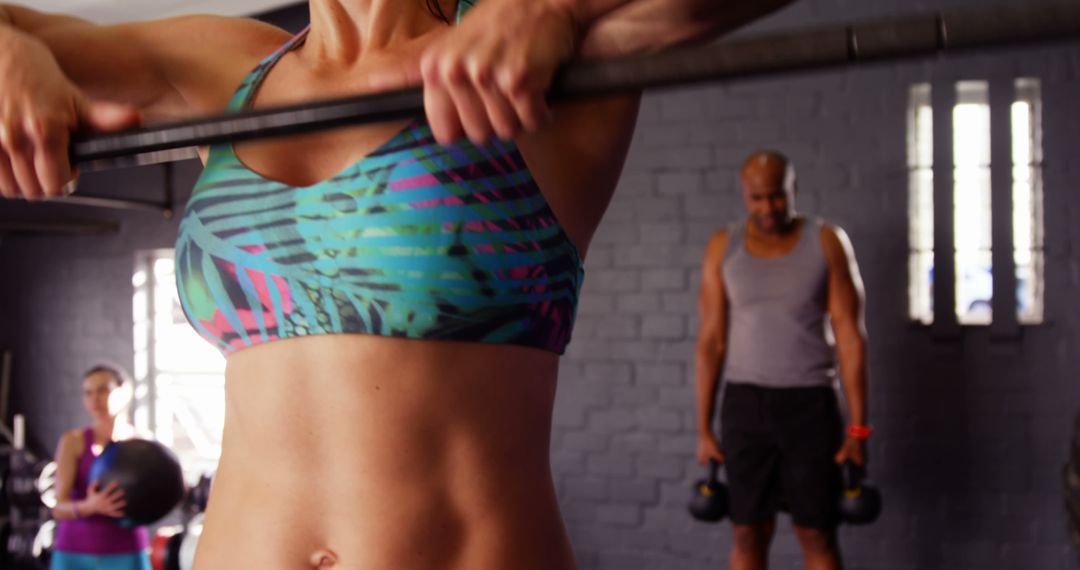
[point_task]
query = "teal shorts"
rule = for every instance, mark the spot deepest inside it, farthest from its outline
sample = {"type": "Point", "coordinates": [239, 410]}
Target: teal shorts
{"type": "Point", "coordinates": [72, 561]}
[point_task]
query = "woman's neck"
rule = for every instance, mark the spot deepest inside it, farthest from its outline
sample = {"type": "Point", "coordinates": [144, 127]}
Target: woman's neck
{"type": "Point", "coordinates": [343, 31]}
{"type": "Point", "coordinates": [103, 428]}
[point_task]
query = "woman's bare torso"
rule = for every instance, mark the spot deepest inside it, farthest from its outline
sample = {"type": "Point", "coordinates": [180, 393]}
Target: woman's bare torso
{"type": "Point", "coordinates": [389, 453]}
{"type": "Point", "coordinates": [386, 453]}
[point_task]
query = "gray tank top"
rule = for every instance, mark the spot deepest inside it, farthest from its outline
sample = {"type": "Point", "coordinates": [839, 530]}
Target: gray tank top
{"type": "Point", "coordinates": [777, 310]}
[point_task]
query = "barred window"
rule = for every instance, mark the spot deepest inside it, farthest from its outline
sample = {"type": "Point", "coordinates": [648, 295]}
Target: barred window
{"type": "Point", "coordinates": [972, 205]}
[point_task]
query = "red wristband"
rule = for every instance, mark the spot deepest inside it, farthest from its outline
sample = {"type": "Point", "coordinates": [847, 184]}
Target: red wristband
{"type": "Point", "coordinates": [859, 432]}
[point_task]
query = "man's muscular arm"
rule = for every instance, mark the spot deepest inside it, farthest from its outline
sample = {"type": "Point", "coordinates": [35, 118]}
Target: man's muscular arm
{"type": "Point", "coordinates": [846, 310]}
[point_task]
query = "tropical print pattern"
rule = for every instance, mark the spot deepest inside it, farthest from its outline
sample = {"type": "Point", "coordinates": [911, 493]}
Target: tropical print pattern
{"type": "Point", "coordinates": [415, 240]}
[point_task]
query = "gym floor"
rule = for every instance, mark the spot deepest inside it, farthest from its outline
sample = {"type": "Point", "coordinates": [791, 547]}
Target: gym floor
{"type": "Point", "coordinates": [972, 423]}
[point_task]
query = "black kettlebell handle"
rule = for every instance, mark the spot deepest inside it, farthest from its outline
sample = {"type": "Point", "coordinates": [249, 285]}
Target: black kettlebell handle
{"type": "Point", "coordinates": [852, 475]}
{"type": "Point", "coordinates": [714, 472]}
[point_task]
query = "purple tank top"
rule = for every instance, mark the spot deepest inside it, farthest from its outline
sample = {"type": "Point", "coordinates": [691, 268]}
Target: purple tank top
{"type": "Point", "coordinates": [95, 534]}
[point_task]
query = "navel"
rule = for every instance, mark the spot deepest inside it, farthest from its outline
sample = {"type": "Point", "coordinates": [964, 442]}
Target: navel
{"type": "Point", "coordinates": [324, 559]}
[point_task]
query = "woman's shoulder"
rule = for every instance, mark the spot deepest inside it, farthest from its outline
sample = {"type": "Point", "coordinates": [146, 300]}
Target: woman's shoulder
{"type": "Point", "coordinates": [230, 40]}
{"type": "Point", "coordinates": [246, 34]}
{"type": "Point", "coordinates": [216, 54]}
{"type": "Point", "coordinates": [72, 442]}
{"type": "Point", "coordinates": [179, 40]}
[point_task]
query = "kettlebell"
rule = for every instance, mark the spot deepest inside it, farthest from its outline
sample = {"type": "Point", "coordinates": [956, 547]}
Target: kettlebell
{"type": "Point", "coordinates": [859, 504]}
{"type": "Point", "coordinates": [709, 497]}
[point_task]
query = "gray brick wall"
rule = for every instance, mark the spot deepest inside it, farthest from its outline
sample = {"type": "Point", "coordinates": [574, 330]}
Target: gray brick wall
{"type": "Point", "coordinates": [971, 432]}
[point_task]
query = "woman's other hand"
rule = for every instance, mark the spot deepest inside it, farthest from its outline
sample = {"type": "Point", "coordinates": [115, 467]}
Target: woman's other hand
{"type": "Point", "coordinates": [108, 501]}
{"type": "Point", "coordinates": [488, 76]}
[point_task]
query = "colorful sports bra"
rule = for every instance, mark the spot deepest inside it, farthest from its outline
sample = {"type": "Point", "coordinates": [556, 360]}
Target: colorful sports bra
{"type": "Point", "coordinates": [415, 240]}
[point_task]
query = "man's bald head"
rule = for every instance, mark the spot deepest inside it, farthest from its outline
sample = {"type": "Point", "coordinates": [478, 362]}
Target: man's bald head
{"type": "Point", "coordinates": [768, 185]}
{"type": "Point", "coordinates": [771, 168]}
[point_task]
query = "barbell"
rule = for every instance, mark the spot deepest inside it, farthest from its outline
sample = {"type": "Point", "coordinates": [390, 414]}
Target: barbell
{"type": "Point", "coordinates": [767, 54]}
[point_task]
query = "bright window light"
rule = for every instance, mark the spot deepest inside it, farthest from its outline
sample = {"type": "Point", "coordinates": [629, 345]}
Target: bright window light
{"type": "Point", "coordinates": [1028, 201]}
{"type": "Point", "coordinates": [180, 378]}
{"type": "Point", "coordinates": [921, 205]}
{"type": "Point", "coordinates": [972, 203]}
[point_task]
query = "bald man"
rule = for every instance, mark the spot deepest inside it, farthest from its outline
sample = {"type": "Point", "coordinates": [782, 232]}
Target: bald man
{"type": "Point", "coordinates": [767, 286]}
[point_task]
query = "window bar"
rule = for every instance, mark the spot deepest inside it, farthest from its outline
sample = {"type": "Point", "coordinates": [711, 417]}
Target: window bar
{"type": "Point", "coordinates": [943, 95]}
{"type": "Point", "coordinates": [1001, 189]}
{"type": "Point", "coordinates": [151, 344]}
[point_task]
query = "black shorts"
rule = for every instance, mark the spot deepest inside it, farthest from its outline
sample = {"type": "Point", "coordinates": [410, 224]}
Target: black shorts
{"type": "Point", "coordinates": [780, 444]}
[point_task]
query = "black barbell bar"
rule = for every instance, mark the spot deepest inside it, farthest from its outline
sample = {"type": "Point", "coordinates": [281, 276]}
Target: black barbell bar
{"type": "Point", "coordinates": [815, 48]}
